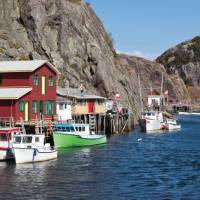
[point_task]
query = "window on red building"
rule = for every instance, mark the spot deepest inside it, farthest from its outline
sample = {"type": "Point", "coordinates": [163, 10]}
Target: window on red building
{"type": "Point", "coordinates": [49, 107]}
{"type": "Point", "coordinates": [51, 81]}
{"type": "Point", "coordinates": [21, 106]}
{"type": "Point", "coordinates": [35, 80]}
{"type": "Point", "coordinates": [35, 106]}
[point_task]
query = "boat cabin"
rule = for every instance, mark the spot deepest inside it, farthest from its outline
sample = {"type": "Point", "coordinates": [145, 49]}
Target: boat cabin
{"type": "Point", "coordinates": [28, 141]}
{"type": "Point", "coordinates": [152, 115]}
{"type": "Point", "coordinates": [73, 128]}
{"type": "Point", "coordinates": [6, 135]}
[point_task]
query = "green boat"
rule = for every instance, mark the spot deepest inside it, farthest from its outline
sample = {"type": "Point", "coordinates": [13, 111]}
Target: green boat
{"type": "Point", "coordinates": [76, 135]}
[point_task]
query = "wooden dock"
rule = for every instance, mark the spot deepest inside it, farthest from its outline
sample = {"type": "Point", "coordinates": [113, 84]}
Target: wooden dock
{"type": "Point", "coordinates": [109, 123]}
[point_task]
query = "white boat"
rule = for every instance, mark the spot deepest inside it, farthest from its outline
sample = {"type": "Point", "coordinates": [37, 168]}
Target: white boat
{"type": "Point", "coordinates": [32, 148]}
{"type": "Point", "coordinates": [152, 121]}
{"type": "Point", "coordinates": [171, 124]}
{"type": "Point", "coordinates": [6, 135]}
{"type": "Point", "coordinates": [188, 113]}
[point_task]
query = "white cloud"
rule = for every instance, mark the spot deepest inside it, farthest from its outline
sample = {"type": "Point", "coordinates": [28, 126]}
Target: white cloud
{"type": "Point", "coordinates": [140, 54]}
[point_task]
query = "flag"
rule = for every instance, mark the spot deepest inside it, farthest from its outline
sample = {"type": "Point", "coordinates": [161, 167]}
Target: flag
{"type": "Point", "coordinates": [166, 92]}
{"type": "Point", "coordinates": [117, 97]}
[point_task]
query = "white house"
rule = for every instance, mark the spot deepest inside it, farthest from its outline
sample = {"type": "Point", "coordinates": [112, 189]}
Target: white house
{"type": "Point", "coordinates": [156, 101]}
{"type": "Point", "coordinates": [64, 109]}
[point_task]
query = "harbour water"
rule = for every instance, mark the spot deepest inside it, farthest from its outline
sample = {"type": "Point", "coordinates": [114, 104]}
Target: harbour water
{"type": "Point", "coordinates": [162, 165]}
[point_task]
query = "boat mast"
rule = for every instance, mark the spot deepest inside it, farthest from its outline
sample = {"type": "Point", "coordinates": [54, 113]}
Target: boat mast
{"type": "Point", "coordinates": [140, 92]}
{"type": "Point", "coordinates": [161, 89]}
{"type": "Point", "coordinates": [161, 94]}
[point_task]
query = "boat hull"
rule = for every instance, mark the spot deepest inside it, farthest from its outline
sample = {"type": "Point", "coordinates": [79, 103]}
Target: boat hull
{"type": "Point", "coordinates": [151, 125]}
{"type": "Point", "coordinates": [173, 127]}
{"type": "Point", "coordinates": [188, 113]}
{"type": "Point", "coordinates": [6, 154]}
{"type": "Point", "coordinates": [29, 155]}
{"type": "Point", "coordinates": [70, 140]}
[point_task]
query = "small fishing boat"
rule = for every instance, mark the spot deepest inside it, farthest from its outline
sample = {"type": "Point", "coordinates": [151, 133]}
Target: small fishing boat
{"type": "Point", "coordinates": [171, 124]}
{"type": "Point", "coordinates": [32, 148]}
{"type": "Point", "coordinates": [6, 136]}
{"type": "Point", "coordinates": [189, 113]}
{"type": "Point", "coordinates": [152, 121]}
{"type": "Point", "coordinates": [69, 135]}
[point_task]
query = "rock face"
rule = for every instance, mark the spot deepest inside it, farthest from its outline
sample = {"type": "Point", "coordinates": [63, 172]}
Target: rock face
{"type": "Point", "coordinates": [151, 78]}
{"type": "Point", "coordinates": [184, 60]}
{"type": "Point", "coordinates": [71, 36]}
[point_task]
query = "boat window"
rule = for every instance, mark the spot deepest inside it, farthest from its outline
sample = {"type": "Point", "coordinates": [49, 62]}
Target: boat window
{"type": "Point", "coordinates": [72, 129]}
{"type": "Point", "coordinates": [37, 139]}
{"type": "Point", "coordinates": [3, 137]}
{"type": "Point", "coordinates": [67, 129]}
{"type": "Point", "coordinates": [83, 129]}
{"type": "Point", "coordinates": [61, 106]}
{"type": "Point", "coordinates": [76, 128]}
{"type": "Point", "coordinates": [27, 139]}
{"type": "Point", "coordinates": [79, 129]}
{"type": "Point", "coordinates": [17, 139]}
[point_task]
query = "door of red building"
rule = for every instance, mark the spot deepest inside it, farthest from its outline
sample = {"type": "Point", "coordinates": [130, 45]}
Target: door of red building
{"type": "Point", "coordinates": [41, 109]}
{"type": "Point", "coordinates": [90, 106]}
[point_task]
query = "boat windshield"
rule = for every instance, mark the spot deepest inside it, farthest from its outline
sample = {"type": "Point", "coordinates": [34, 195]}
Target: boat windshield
{"type": "Point", "coordinates": [17, 139]}
{"type": "Point", "coordinates": [23, 139]}
{"type": "Point", "coordinates": [80, 128]}
{"type": "Point", "coordinates": [148, 114]}
{"type": "Point", "coordinates": [65, 129]}
{"type": "Point", "coordinates": [27, 139]}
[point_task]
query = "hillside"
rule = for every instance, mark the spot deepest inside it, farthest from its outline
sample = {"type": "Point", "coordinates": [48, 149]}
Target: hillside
{"type": "Point", "coordinates": [70, 35]}
{"type": "Point", "coordinates": [184, 60]}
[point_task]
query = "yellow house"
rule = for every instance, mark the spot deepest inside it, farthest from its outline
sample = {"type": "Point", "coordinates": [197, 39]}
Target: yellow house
{"type": "Point", "coordinates": [82, 102]}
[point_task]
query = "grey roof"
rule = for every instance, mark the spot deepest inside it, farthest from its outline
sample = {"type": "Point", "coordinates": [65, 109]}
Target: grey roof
{"type": "Point", "coordinates": [75, 92]}
{"type": "Point", "coordinates": [24, 66]}
{"type": "Point", "coordinates": [62, 100]}
{"type": "Point", "coordinates": [13, 93]}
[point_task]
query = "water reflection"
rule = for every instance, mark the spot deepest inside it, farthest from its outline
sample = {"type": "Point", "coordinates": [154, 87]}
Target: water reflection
{"type": "Point", "coordinates": [157, 166]}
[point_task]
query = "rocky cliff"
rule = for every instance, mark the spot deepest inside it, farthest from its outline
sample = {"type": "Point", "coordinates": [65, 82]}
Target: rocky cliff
{"type": "Point", "coordinates": [72, 37]}
{"type": "Point", "coordinates": [184, 61]}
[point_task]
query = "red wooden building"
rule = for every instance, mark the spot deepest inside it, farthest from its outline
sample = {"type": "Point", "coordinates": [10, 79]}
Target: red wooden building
{"type": "Point", "coordinates": [27, 90]}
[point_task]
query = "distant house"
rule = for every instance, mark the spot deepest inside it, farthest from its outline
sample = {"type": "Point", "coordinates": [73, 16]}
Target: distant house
{"type": "Point", "coordinates": [64, 109]}
{"type": "Point", "coordinates": [82, 102]}
{"type": "Point", "coordinates": [27, 89]}
{"type": "Point", "coordinates": [156, 101]}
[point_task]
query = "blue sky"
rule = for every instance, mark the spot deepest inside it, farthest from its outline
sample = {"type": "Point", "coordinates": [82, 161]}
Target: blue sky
{"type": "Point", "coordinates": [148, 27]}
